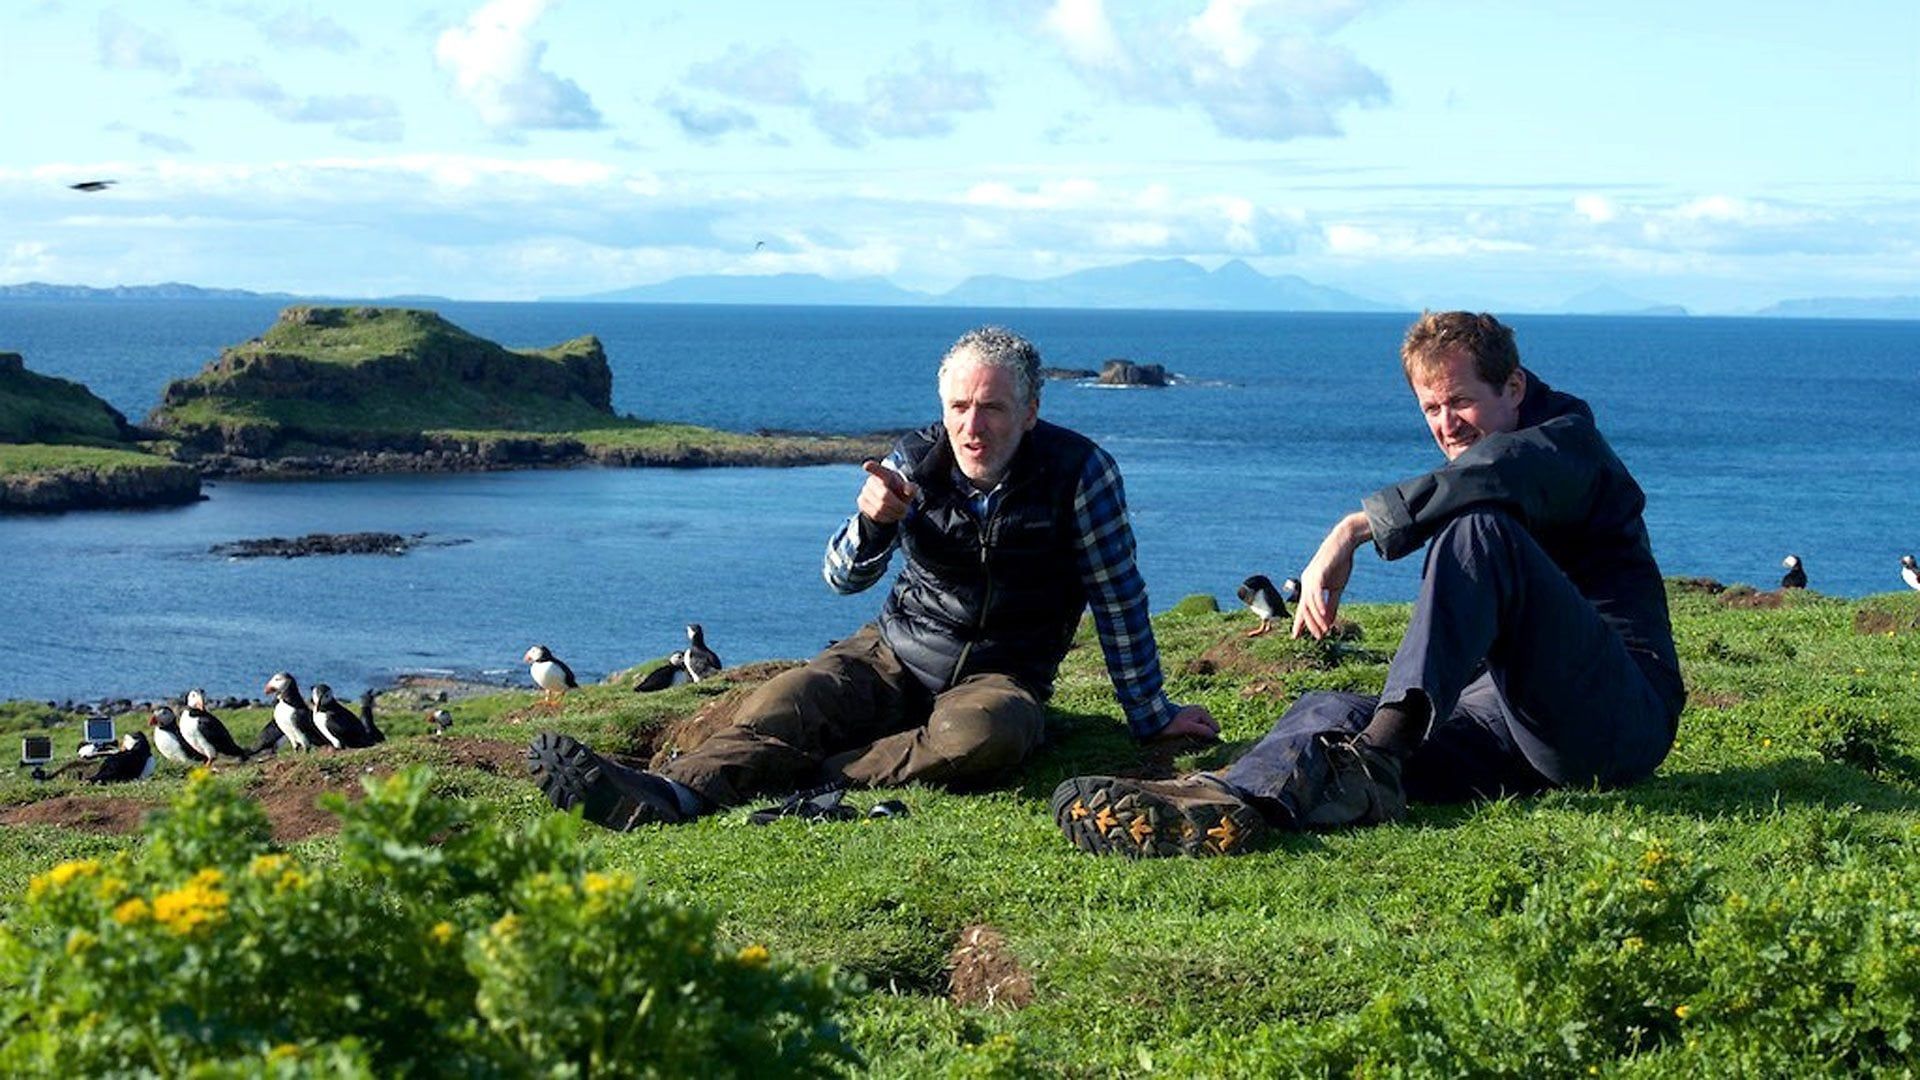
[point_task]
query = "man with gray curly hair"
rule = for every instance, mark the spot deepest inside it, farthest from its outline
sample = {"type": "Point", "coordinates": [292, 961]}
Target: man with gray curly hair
{"type": "Point", "coordinates": [1012, 527]}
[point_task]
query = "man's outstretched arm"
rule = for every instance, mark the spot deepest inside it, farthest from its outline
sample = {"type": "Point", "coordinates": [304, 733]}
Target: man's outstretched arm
{"type": "Point", "coordinates": [1118, 597]}
{"type": "Point", "coordinates": [858, 554]}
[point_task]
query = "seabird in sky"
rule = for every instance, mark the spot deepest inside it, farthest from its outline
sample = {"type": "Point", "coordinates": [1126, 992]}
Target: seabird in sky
{"type": "Point", "coordinates": [93, 185]}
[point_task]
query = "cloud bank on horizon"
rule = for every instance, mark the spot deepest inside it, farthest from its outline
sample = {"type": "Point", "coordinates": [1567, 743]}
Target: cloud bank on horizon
{"type": "Point", "coordinates": [1717, 155]}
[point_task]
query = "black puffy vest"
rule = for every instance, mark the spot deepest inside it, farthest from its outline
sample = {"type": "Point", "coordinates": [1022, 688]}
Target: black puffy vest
{"type": "Point", "coordinates": [1002, 596]}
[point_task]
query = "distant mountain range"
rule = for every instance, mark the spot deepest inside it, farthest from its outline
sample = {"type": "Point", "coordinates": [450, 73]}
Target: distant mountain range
{"type": "Point", "coordinates": [1149, 283]}
{"type": "Point", "coordinates": [1164, 284]}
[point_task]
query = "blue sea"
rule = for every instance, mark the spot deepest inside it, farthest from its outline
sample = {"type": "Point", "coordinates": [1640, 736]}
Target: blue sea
{"type": "Point", "coordinates": [1752, 438]}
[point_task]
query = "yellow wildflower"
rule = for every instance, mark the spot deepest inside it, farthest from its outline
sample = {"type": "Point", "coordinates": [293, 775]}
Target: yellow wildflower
{"type": "Point", "coordinates": [1633, 944]}
{"type": "Point", "coordinates": [80, 941]}
{"type": "Point", "coordinates": [265, 866]}
{"type": "Point", "coordinates": [506, 925]}
{"type": "Point", "coordinates": [283, 1052]}
{"type": "Point", "coordinates": [753, 956]}
{"type": "Point", "coordinates": [1647, 884]}
{"type": "Point", "coordinates": [133, 911]}
{"type": "Point", "coordinates": [193, 905]}
{"type": "Point", "coordinates": [595, 884]}
{"type": "Point", "coordinates": [1682, 1010]}
{"type": "Point", "coordinates": [60, 876]}
{"type": "Point", "coordinates": [442, 932]}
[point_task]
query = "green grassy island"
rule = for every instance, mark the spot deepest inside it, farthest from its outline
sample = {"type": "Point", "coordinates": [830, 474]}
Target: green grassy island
{"type": "Point", "coordinates": [335, 389]}
{"type": "Point", "coordinates": [1752, 910]}
{"type": "Point", "coordinates": [63, 448]}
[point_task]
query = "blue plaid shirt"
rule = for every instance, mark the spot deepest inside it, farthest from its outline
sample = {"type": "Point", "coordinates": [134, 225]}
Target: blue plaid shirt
{"type": "Point", "coordinates": [1103, 555]}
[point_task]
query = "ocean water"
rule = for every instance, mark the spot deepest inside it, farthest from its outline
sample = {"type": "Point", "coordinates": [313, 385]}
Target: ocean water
{"type": "Point", "coordinates": [1753, 438]}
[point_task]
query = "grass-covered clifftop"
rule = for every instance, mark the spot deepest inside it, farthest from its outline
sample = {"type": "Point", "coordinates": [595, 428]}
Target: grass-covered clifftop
{"type": "Point", "coordinates": [1753, 909]}
{"type": "Point", "coordinates": [381, 382]}
{"type": "Point", "coordinates": [62, 447]}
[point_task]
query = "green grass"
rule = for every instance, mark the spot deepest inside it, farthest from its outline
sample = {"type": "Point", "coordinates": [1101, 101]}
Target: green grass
{"type": "Point", "coordinates": [1797, 747]}
{"type": "Point", "coordinates": [24, 458]}
{"type": "Point", "coordinates": [38, 408]}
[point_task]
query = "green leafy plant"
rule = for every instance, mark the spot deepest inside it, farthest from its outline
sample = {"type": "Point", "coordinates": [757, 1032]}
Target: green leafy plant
{"type": "Point", "coordinates": [440, 943]}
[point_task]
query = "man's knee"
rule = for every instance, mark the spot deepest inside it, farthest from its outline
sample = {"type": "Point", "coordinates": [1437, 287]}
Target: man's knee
{"type": "Point", "coordinates": [985, 730]}
{"type": "Point", "coordinates": [789, 697]}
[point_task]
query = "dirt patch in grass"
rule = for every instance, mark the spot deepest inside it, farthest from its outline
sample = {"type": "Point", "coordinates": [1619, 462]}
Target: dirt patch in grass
{"type": "Point", "coordinates": [1746, 596]}
{"type": "Point", "coordinates": [1714, 699]}
{"type": "Point", "coordinates": [985, 973]}
{"type": "Point", "coordinates": [1875, 621]}
{"type": "Point", "coordinates": [1234, 656]}
{"type": "Point", "coordinates": [659, 744]}
{"type": "Point", "coordinates": [1697, 585]}
{"type": "Point", "coordinates": [102, 815]}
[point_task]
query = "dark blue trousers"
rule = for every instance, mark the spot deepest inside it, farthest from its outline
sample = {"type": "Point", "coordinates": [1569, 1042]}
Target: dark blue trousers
{"type": "Point", "coordinates": [1530, 687]}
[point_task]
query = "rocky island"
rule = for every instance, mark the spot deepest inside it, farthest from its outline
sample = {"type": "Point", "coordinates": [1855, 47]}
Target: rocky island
{"type": "Point", "coordinates": [62, 448]}
{"type": "Point", "coordinates": [331, 390]}
{"type": "Point", "coordinates": [339, 390]}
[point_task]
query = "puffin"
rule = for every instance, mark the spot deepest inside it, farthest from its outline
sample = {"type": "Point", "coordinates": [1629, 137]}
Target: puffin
{"type": "Point", "coordinates": [698, 661]}
{"type": "Point", "coordinates": [1265, 601]}
{"type": "Point", "coordinates": [439, 720]}
{"type": "Point", "coordinates": [1909, 572]}
{"type": "Point", "coordinates": [550, 674]}
{"type": "Point", "coordinates": [204, 732]}
{"type": "Point", "coordinates": [336, 723]}
{"type": "Point", "coordinates": [374, 735]}
{"type": "Point", "coordinates": [1796, 575]}
{"type": "Point", "coordinates": [133, 761]}
{"type": "Point", "coordinates": [168, 739]}
{"type": "Point", "coordinates": [291, 715]}
{"type": "Point", "coordinates": [663, 676]}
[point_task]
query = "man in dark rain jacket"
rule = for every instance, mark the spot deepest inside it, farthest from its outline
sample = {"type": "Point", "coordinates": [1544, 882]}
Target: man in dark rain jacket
{"type": "Point", "coordinates": [1539, 653]}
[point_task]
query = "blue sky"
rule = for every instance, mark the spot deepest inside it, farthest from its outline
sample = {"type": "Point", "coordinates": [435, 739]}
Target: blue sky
{"type": "Point", "coordinates": [1503, 155]}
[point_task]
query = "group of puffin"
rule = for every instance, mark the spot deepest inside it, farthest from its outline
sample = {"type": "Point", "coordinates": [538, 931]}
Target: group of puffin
{"type": "Point", "coordinates": [1796, 575]}
{"type": "Point", "coordinates": [194, 736]}
{"type": "Point", "coordinates": [696, 662]}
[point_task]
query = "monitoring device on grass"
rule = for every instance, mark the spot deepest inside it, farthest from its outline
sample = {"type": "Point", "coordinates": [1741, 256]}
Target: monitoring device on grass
{"type": "Point", "coordinates": [36, 751]}
{"type": "Point", "coordinates": [97, 732]}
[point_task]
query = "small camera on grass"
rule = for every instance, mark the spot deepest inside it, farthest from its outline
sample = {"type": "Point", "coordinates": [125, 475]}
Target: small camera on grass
{"type": "Point", "coordinates": [97, 736]}
{"type": "Point", "coordinates": [35, 752]}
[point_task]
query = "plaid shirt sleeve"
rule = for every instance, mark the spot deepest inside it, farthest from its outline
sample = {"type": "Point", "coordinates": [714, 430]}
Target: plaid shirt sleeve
{"type": "Point", "coordinates": [1118, 596]}
{"type": "Point", "coordinates": [853, 565]}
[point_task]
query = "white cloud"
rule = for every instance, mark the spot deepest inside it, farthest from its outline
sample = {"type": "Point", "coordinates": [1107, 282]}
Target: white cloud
{"type": "Point", "coordinates": [918, 101]}
{"type": "Point", "coordinates": [706, 123]}
{"type": "Point", "coordinates": [769, 76]}
{"type": "Point", "coordinates": [124, 45]}
{"type": "Point", "coordinates": [1595, 208]}
{"type": "Point", "coordinates": [497, 69]}
{"type": "Point", "coordinates": [294, 28]}
{"type": "Point", "coordinates": [240, 82]}
{"type": "Point", "coordinates": [1259, 69]}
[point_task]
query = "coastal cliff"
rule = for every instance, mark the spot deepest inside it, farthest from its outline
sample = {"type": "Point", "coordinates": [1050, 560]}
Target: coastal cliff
{"type": "Point", "coordinates": [331, 390]}
{"type": "Point", "coordinates": [63, 448]}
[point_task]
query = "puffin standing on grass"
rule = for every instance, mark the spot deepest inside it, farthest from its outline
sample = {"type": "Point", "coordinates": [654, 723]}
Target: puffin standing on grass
{"type": "Point", "coordinates": [133, 761]}
{"type": "Point", "coordinates": [204, 732]}
{"type": "Point", "coordinates": [1910, 572]}
{"type": "Point", "coordinates": [550, 674]}
{"type": "Point", "coordinates": [335, 722]}
{"type": "Point", "coordinates": [699, 661]}
{"type": "Point", "coordinates": [291, 715]}
{"type": "Point", "coordinates": [168, 739]}
{"type": "Point", "coordinates": [1265, 601]}
{"type": "Point", "coordinates": [1796, 575]}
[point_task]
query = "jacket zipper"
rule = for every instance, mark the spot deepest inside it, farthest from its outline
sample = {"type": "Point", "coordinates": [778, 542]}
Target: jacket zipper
{"type": "Point", "coordinates": [986, 601]}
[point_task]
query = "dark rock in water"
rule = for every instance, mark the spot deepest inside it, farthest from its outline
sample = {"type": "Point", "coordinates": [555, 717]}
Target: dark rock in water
{"type": "Point", "coordinates": [1128, 373]}
{"type": "Point", "coordinates": [1068, 373]}
{"type": "Point", "coordinates": [360, 543]}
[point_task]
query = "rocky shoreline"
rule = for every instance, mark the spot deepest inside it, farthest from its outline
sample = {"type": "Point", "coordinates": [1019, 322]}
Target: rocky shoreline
{"type": "Point", "coordinates": [125, 487]}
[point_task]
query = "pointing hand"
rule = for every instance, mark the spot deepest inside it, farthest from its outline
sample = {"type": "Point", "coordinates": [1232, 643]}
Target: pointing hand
{"type": "Point", "coordinates": [886, 496]}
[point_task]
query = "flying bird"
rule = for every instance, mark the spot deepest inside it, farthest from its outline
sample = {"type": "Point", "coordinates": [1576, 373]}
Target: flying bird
{"type": "Point", "coordinates": [133, 761]}
{"type": "Point", "coordinates": [1796, 575]}
{"type": "Point", "coordinates": [550, 674]}
{"type": "Point", "coordinates": [1265, 601]}
{"type": "Point", "coordinates": [168, 740]}
{"type": "Point", "coordinates": [93, 185]}
{"type": "Point", "coordinates": [291, 715]}
{"type": "Point", "coordinates": [699, 661]}
{"type": "Point", "coordinates": [663, 676]}
{"type": "Point", "coordinates": [204, 733]}
{"type": "Point", "coordinates": [758, 244]}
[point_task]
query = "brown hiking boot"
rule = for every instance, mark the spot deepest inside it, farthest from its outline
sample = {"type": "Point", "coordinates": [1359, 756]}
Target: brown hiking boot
{"type": "Point", "coordinates": [609, 794]}
{"type": "Point", "coordinates": [1362, 787]}
{"type": "Point", "coordinates": [1195, 815]}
